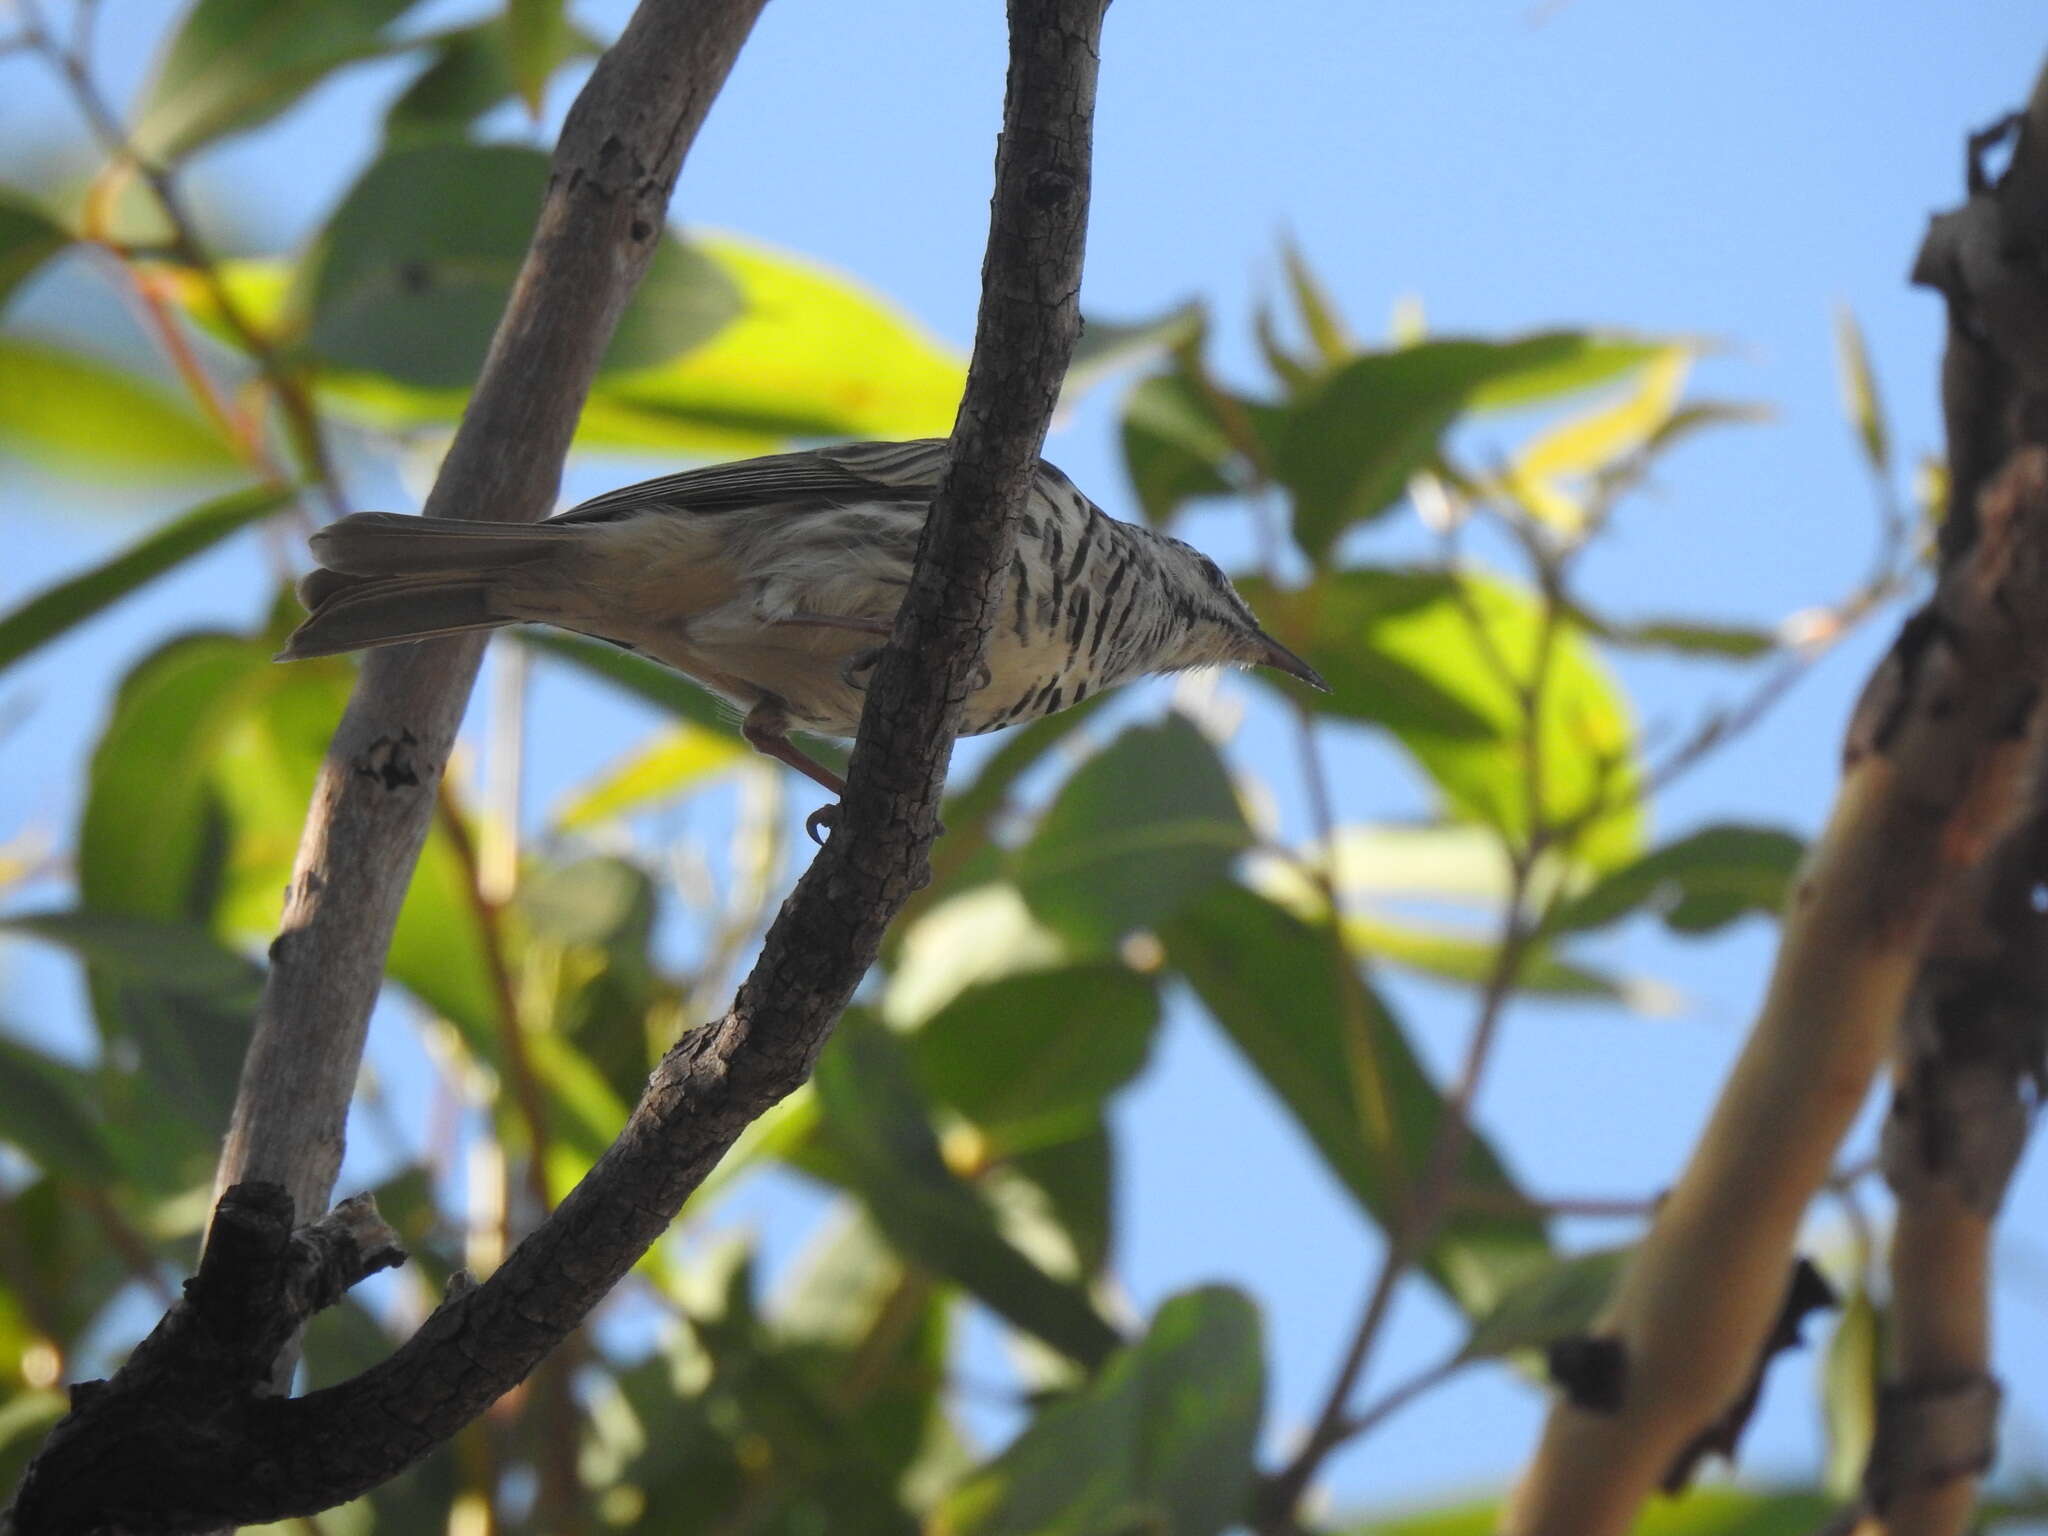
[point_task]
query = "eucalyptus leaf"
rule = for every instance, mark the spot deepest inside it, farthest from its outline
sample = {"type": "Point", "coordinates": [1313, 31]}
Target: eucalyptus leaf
{"type": "Point", "coordinates": [46, 1111]}
{"type": "Point", "coordinates": [1554, 1300]}
{"type": "Point", "coordinates": [1697, 884]}
{"type": "Point", "coordinates": [89, 419]}
{"type": "Point", "coordinates": [29, 236]}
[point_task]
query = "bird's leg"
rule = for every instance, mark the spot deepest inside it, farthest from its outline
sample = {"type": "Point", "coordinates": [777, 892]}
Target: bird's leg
{"type": "Point", "coordinates": [766, 728]}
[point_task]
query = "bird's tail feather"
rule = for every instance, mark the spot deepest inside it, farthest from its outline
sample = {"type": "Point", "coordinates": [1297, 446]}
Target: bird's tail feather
{"type": "Point", "coordinates": [394, 544]}
{"type": "Point", "coordinates": [354, 612]}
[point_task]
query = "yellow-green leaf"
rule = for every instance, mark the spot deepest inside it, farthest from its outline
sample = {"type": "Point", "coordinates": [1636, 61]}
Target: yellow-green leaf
{"type": "Point", "coordinates": [82, 417]}
{"type": "Point", "coordinates": [1859, 392]}
{"type": "Point", "coordinates": [677, 761]}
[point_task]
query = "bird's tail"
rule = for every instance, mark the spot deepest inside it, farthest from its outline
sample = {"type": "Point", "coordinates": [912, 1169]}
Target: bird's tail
{"type": "Point", "coordinates": [388, 578]}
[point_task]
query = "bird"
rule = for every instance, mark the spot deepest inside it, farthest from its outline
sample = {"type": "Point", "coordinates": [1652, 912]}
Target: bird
{"type": "Point", "coordinates": [773, 583]}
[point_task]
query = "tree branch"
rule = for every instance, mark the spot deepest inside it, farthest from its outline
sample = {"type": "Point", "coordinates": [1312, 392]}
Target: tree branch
{"type": "Point", "coordinates": [1934, 772]}
{"type": "Point", "coordinates": [605, 210]}
{"type": "Point", "coordinates": [303, 1454]}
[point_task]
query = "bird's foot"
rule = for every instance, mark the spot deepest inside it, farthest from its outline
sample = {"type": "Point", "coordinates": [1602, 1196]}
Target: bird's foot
{"type": "Point", "coordinates": [821, 822]}
{"type": "Point", "coordinates": [859, 662]}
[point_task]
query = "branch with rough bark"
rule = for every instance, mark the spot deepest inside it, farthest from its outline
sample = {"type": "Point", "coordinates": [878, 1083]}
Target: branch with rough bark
{"type": "Point", "coordinates": [1935, 774]}
{"type": "Point", "coordinates": [263, 1458]}
{"type": "Point", "coordinates": [1968, 1061]}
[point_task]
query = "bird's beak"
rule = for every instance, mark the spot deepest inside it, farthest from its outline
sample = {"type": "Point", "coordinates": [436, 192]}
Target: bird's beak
{"type": "Point", "coordinates": [1277, 656]}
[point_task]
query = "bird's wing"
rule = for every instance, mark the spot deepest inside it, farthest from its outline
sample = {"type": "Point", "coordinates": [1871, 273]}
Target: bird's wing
{"type": "Point", "coordinates": [816, 479]}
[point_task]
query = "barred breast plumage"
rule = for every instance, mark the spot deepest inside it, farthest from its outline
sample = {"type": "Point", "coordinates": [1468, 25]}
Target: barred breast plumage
{"type": "Point", "coordinates": [774, 581]}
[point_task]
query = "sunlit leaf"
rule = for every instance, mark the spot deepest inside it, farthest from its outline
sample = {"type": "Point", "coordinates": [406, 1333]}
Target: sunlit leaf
{"type": "Point", "coordinates": [979, 936]}
{"type": "Point", "coordinates": [1031, 1057]}
{"type": "Point", "coordinates": [1697, 884]}
{"type": "Point", "coordinates": [28, 237]}
{"type": "Point", "coordinates": [1273, 984]}
{"type": "Point", "coordinates": [812, 353]}
{"type": "Point", "coordinates": [86, 418]}
{"type": "Point", "coordinates": [1860, 398]}
{"type": "Point", "coordinates": [60, 608]}
{"type": "Point", "coordinates": [1852, 1371]}
{"type": "Point", "coordinates": [1442, 661]}
{"type": "Point", "coordinates": [1554, 1300]}
{"type": "Point", "coordinates": [1138, 831]}
{"type": "Point", "coordinates": [1699, 1512]}
{"type": "Point", "coordinates": [877, 1124]}
{"type": "Point", "coordinates": [678, 761]}
{"type": "Point", "coordinates": [1462, 864]}
{"type": "Point", "coordinates": [1586, 443]}
{"type": "Point", "coordinates": [1467, 958]}
{"type": "Point", "coordinates": [1347, 451]}
{"type": "Point", "coordinates": [235, 64]}
{"type": "Point", "coordinates": [1162, 1442]}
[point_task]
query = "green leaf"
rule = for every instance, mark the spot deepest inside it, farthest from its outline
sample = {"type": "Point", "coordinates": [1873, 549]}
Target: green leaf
{"type": "Point", "coordinates": [1852, 1372]}
{"type": "Point", "coordinates": [1733, 642]}
{"type": "Point", "coordinates": [1174, 448]}
{"type": "Point", "coordinates": [67, 604]}
{"type": "Point", "coordinates": [812, 353]}
{"type": "Point", "coordinates": [472, 72]}
{"type": "Point", "coordinates": [1106, 346]}
{"type": "Point", "coordinates": [1556, 1299]}
{"type": "Point", "coordinates": [82, 417]}
{"type": "Point", "coordinates": [46, 1113]}
{"type": "Point", "coordinates": [1312, 302]}
{"type": "Point", "coordinates": [1440, 661]}
{"type": "Point", "coordinates": [876, 1123]}
{"type": "Point", "coordinates": [1860, 398]}
{"type": "Point", "coordinates": [28, 238]}
{"type": "Point", "coordinates": [1699, 1512]}
{"type": "Point", "coordinates": [979, 936]}
{"type": "Point", "coordinates": [1468, 959]}
{"type": "Point", "coordinates": [1697, 884]}
{"type": "Point", "coordinates": [1163, 1442]}
{"type": "Point", "coordinates": [1273, 984]}
{"type": "Point", "coordinates": [536, 37]}
{"type": "Point", "coordinates": [678, 761]}
{"type": "Point", "coordinates": [1346, 452]}
{"type": "Point", "coordinates": [1074, 1182]}
{"type": "Point", "coordinates": [1140, 829]}
{"type": "Point", "coordinates": [1031, 1057]}
{"type": "Point", "coordinates": [168, 956]}
{"type": "Point", "coordinates": [412, 272]}
{"type": "Point", "coordinates": [235, 64]}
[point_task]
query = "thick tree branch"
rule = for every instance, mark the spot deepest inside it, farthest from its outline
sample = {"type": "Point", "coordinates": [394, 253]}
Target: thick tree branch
{"type": "Point", "coordinates": [605, 210]}
{"type": "Point", "coordinates": [1935, 772]}
{"type": "Point", "coordinates": [303, 1454]}
{"type": "Point", "coordinates": [1968, 1062]}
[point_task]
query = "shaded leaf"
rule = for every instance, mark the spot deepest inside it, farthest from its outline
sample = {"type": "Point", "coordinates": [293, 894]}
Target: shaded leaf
{"type": "Point", "coordinates": [1162, 1442]}
{"type": "Point", "coordinates": [1031, 1057]}
{"type": "Point", "coordinates": [1735, 642]}
{"type": "Point", "coordinates": [1556, 1299]}
{"type": "Point", "coordinates": [235, 64]}
{"type": "Point", "coordinates": [1273, 984]}
{"type": "Point", "coordinates": [46, 1112]}
{"type": "Point", "coordinates": [168, 956]}
{"type": "Point", "coordinates": [536, 39]}
{"type": "Point", "coordinates": [1697, 884]}
{"type": "Point", "coordinates": [28, 238]}
{"type": "Point", "coordinates": [62, 607]}
{"type": "Point", "coordinates": [877, 1124]}
{"type": "Point", "coordinates": [86, 418]}
{"type": "Point", "coordinates": [1076, 1178]}
{"type": "Point", "coordinates": [1319, 317]}
{"type": "Point", "coordinates": [1174, 449]}
{"type": "Point", "coordinates": [1139, 830]}
{"type": "Point", "coordinates": [1107, 346]}
{"type": "Point", "coordinates": [1346, 452]}
{"type": "Point", "coordinates": [471, 72]}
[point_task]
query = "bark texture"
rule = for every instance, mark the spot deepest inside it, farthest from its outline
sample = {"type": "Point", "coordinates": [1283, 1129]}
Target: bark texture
{"type": "Point", "coordinates": [262, 1458]}
{"type": "Point", "coordinates": [1935, 774]}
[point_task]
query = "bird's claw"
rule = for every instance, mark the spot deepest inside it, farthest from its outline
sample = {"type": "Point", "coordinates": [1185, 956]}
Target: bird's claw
{"type": "Point", "coordinates": [859, 661]}
{"type": "Point", "coordinates": [821, 822]}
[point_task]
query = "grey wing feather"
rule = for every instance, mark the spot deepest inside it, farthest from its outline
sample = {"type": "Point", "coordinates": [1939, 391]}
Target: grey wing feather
{"type": "Point", "coordinates": [818, 478]}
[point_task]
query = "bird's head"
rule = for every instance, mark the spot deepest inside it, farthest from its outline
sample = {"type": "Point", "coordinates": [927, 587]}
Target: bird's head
{"type": "Point", "coordinates": [1220, 628]}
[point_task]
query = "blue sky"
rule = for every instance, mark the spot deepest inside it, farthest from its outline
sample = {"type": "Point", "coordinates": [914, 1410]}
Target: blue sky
{"type": "Point", "coordinates": [1733, 171]}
